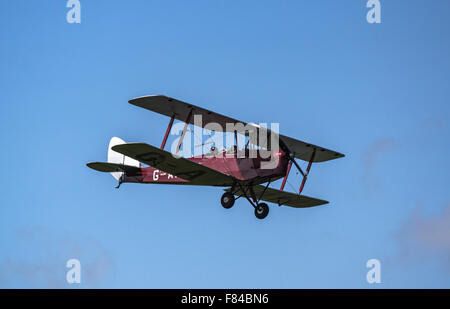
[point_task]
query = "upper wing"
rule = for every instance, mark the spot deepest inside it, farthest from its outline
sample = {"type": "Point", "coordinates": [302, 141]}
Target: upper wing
{"type": "Point", "coordinates": [299, 149]}
{"type": "Point", "coordinates": [168, 106]}
{"type": "Point", "coordinates": [304, 150]}
{"type": "Point", "coordinates": [180, 167]}
{"type": "Point", "coordinates": [283, 198]}
{"type": "Point", "coordinates": [180, 110]}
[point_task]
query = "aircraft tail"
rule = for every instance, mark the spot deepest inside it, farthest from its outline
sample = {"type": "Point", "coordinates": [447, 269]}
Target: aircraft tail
{"type": "Point", "coordinates": [118, 158]}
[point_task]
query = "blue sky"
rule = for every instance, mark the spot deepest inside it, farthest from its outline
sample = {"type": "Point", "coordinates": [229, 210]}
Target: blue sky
{"type": "Point", "coordinates": [375, 92]}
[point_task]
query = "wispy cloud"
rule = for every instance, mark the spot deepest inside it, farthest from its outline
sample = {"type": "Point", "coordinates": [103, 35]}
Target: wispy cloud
{"type": "Point", "coordinates": [426, 237]}
{"type": "Point", "coordinates": [48, 267]}
{"type": "Point", "coordinates": [372, 155]}
{"type": "Point", "coordinates": [434, 122]}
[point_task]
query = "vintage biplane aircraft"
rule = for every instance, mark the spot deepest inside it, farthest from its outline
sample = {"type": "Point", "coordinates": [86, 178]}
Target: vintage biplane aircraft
{"type": "Point", "coordinates": [240, 174]}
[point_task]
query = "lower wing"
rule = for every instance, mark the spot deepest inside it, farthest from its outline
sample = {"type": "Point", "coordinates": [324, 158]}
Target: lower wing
{"type": "Point", "coordinates": [195, 173]}
{"type": "Point", "coordinates": [282, 198]}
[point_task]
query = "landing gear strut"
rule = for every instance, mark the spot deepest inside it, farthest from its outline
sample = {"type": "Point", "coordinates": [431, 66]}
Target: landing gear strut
{"type": "Point", "coordinates": [261, 209]}
{"type": "Point", "coordinates": [227, 200]}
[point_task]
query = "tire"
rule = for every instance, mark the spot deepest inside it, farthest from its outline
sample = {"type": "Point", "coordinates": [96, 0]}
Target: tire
{"type": "Point", "coordinates": [261, 211]}
{"type": "Point", "coordinates": [227, 200]}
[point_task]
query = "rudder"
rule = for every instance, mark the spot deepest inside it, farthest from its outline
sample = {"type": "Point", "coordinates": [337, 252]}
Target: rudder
{"type": "Point", "coordinates": [115, 157]}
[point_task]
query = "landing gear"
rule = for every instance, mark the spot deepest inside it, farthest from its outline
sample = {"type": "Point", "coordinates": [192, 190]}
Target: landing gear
{"type": "Point", "coordinates": [227, 200]}
{"type": "Point", "coordinates": [261, 211]}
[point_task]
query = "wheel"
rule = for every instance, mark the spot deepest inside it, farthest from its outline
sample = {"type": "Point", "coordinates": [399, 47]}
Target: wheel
{"type": "Point", "coordinates": [261, 211]}
{"type": "Point", "coordinates": [227, 200]}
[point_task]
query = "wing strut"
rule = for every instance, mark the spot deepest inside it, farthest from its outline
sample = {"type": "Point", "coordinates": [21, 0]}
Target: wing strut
{"type": "Point", "coordinates": [287, 174]}
{"type": "Point", "coordinates": [292, 160]}
{"type": "Point", "coordinates": [188, 118]}
{"type": "Point", "coordinates": [305, 176]}
{"type": "Point", "coordinates": [268, 184]}
{"type": "Point", "coordinates": [167, 132]}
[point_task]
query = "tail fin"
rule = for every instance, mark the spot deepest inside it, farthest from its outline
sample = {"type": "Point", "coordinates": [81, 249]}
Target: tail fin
{"type": "Point", "coordinates": [115, 157]}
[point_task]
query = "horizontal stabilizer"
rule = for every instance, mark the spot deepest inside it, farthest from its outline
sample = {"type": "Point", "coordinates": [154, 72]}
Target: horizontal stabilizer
{"type": "Point", "coordinates": [114, 167]}
{"type": "Point", "coordinates": [283, 198]}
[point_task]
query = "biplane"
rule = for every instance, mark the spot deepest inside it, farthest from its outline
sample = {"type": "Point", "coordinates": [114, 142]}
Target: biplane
{"type": "Point", "coordinates": [236, 171]}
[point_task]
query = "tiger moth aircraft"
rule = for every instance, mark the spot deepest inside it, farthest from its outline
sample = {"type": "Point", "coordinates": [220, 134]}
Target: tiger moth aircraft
{"type": "Point", "coordinates": [242, 172]}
